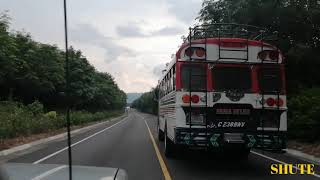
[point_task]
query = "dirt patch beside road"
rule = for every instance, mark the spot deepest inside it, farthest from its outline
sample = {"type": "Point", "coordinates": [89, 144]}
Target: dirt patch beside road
{"type": "Point", "coordinates": [308, 148]}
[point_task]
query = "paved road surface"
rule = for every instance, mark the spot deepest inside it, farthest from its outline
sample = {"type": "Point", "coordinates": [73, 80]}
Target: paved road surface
{"type": "Point", "coordinates": [127, 144]}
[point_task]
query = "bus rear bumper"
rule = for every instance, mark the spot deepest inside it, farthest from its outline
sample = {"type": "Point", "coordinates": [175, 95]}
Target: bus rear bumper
{"type": "Point", "coordinates": [216, 139]}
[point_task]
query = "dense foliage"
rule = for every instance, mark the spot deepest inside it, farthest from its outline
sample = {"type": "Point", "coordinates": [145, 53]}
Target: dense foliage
{"type": "Point", "coordinates": [18, 119]}
{"type": "Point", "coordinates": [33, 87]}
{"type": "Point", "coordinates": [31, 71]}
{"type": "Point", "coordinates": [147, 102]}
{"type": "Point", "coordinates": [304, 116]}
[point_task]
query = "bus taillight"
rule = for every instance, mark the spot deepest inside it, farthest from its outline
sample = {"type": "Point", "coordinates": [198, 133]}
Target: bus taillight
{"type": "Point", "coordinates": [279, 102]}
{"type": "Point", "coordinates": [186, 98]}
{"type": "Point", "coordinates": [195, 98]}
{"type": "Point", "coordinates": [189, 52]}
{"type": "Point", "coordinates": [274, 55]}
{"type": "Point", "coordinates": [200, 52]}
{"type": "Point", "coordinates": [270, 54]}
{"type": "Point", "coordinates": [263, 55]}
{"type": "Point", "coordinates": [272, 102]}
{"type": "Point", "coordinates": [197, 51]}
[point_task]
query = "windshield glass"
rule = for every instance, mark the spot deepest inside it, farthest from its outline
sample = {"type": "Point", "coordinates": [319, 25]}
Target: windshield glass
{"type": "Point", "coordinates": [231, 78]}
{"type": "Point", "coordinates": [197, 74]}
{"type": "Point", "coordinates": [269, 79]}
{"type": "Point", "coordinates": [162, 89]}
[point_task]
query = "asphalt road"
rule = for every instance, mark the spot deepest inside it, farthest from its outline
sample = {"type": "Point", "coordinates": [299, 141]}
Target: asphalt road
{"type": "Point", "coordinates": [127, 144]}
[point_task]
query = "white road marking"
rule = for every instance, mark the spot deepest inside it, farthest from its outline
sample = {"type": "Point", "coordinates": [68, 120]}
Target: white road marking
{"type": "Point", "coordinates": [48, 173]}
{"type": "Point", "coordinates": [63, 149]}
{"type": "Point", "coordinates": [278, 161]}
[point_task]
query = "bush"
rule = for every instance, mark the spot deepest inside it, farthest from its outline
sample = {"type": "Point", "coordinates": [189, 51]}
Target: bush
{"type": "Point", "coordinates": [82, 117]}
{"type": "Point", "coordinates": [21, 120]}
{"type": "Point", "coordinates": [36, 108]}
{"type": "Point", "coordinates": [304, 115]}
{"type": "Point", "coordinates": [51, 115]}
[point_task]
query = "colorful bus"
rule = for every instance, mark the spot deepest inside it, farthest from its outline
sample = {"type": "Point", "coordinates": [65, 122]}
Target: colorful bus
{"type": "Point", "coordinates": [224, 89]}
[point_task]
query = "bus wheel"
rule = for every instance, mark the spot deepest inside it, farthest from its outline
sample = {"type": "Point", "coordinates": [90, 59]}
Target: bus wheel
{"type": "Point", "coordinates": [169, 147]}
{"type": "Point", "coordinates": [160, 134]}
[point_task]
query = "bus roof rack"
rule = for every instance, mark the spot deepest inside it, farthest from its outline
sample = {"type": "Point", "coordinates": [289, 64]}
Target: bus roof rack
{"type": "Point", "coordinates": [222, 33]}
{"type": "Point", "coordinates": [230, 30]}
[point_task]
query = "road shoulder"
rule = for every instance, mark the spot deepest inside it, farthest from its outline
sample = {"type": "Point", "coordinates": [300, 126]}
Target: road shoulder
{"type": "Point", "coordinates": [303, 156]}
{"type": "Point", "coordinates": [4, 154]}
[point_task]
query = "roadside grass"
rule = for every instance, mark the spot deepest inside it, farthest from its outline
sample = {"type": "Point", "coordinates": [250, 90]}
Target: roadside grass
{"type": "Point", "coordinates": [18, 120]}
{"type": "Point", "coordinates": [304, 116]}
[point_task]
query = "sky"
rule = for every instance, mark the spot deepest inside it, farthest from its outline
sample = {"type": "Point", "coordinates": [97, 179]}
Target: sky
{"type": "Point", "coordinates": [130, 39]}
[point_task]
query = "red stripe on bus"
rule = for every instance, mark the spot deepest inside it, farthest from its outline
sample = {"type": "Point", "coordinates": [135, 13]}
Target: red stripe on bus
{"type": "Point", "coordinates": [209, 79]}
{"type": "Point", "coordinates": [254, 77]}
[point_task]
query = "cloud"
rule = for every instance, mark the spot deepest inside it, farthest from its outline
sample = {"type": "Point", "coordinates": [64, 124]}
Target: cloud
{"type": "Point", "coordinates": [131, 75]}
{"type": "Point", "coordinates": [185, 11]}
{"type": "Point", "coordinates": [157, 70]}
{"type": "Point", "coordinates": [132, 40]}
{"type": "Point", "coordinates": [168, 31]}
{"type": "Point", "coordinates": [134, 30]}
{"type": "Point", "coordinates": [87, 34]}
{"type": "Point", "coordinates": [130, 30]}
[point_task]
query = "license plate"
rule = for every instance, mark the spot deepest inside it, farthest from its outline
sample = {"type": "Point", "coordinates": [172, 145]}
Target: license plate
{"type": "Point", "coordinates": [227, 124]}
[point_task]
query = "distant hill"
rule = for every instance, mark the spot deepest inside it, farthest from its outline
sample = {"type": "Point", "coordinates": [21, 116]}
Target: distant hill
{"type": "Point", "coordinates": [132, 96]}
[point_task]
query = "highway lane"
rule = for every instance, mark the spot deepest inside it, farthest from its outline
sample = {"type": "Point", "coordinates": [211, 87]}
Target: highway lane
{"type": "Point", "coordinates": [127, 144]}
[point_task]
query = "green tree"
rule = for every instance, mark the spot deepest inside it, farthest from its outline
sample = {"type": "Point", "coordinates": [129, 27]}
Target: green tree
{"type": "Point", "coordinates": [31, 71]}
{"type": "Point", "coordinates": [7, 57]}
{"type": "Point", "coordinates": [147, 102]}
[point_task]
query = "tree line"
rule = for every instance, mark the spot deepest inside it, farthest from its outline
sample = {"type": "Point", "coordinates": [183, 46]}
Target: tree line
{"type": "Point", "coordinates": [147, 102]}
{"type": "Point", "coordinates": [30, 71]}
{"type": "Point", "coordinates": [297, 23]}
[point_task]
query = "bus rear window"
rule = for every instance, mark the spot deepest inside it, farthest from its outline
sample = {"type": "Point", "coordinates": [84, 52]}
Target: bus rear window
{"type": "Point", "coordinates": [231, 78]}
{"type": "Point", "coordinates": [197, 74]}
{"type": "Point", "coordinates": [269, 80]}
